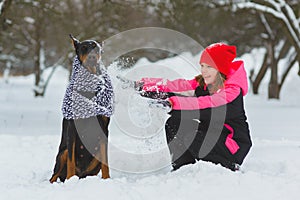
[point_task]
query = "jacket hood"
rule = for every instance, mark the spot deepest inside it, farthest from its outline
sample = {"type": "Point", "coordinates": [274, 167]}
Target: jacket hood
{"type": "Point", "coordinates": [238, 76]}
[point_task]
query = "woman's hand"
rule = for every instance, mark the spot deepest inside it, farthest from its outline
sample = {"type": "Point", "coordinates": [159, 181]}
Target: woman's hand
{"type": "Point", "coordinates": [126, 83]}
{"type": "Point", "coordinates": [158, 103]}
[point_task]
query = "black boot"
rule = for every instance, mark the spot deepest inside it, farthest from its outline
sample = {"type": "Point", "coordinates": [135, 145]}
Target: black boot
{"type": "Point", "coordinates": [185, 159]}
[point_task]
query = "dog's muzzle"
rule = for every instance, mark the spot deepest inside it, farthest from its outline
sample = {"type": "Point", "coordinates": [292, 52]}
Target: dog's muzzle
{"type": "Point", "coordinates": [92, 59]}
{"type": "Point", "coordinates": [92, 62]}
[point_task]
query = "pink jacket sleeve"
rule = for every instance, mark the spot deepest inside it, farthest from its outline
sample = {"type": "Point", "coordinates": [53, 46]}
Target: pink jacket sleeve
{"type": "Point", "coordinates": [163, 85]}
{"type": "Point", "coordinates": [222, 97]}
{"type": "Point", "coordinates": [236, 82]}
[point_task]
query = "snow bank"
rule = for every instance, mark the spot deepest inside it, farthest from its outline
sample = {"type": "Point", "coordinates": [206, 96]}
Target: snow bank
{"type": "Point", "coordinates": [30, 134]}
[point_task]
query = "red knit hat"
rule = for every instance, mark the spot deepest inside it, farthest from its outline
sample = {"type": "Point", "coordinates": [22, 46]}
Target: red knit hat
{"type": "Point", "coordinates": [219, 56]}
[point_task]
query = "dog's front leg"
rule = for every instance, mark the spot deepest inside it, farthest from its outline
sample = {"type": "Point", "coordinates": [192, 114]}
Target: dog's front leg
{"type": "Point", "coordinates": [60, 164]}
{"type": "Point", "coordinates": [71, 168]}
{"type": "Point", "coordinates": [104, 160]}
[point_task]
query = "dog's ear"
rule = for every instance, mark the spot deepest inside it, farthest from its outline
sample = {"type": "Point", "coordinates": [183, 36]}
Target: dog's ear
{"type": "Point", "coordinates": [75, 42]}
{"type": "Point", "coordinates": [101, 45]}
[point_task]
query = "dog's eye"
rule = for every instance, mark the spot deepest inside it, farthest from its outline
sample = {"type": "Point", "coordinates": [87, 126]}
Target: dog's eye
{"type": "Point", "coordinates": [84, 48]}
{"type": "Point", "coordinates": [97, 51]}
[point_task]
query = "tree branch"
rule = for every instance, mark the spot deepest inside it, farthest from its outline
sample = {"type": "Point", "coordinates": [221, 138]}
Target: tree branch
{"type": "Point", "coordinates": [258, 7]}
{"type": "Point", "coordinates": [293, 29]}
{"type": "Point", "coordinates": [286, 72]}
{"type": "Point", "coordinates": [267, 25]}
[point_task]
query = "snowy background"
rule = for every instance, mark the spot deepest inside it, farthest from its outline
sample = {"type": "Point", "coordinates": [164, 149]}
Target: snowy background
{"type": "Point", "coordinates": [30, 131]}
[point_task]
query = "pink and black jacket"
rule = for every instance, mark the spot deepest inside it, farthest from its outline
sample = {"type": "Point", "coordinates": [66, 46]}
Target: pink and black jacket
{"type": "Point", "coordinates": [235, 134]}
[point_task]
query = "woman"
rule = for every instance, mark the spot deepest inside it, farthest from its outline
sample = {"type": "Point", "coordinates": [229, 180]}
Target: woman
{"type": "Point", "coordinates": [211, 125]}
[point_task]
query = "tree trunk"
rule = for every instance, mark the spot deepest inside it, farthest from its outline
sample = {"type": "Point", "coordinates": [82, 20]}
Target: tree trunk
{"type": "Point", "coordinates": [273, 92]}
{"type": "Point", "coordinates": [298, 59]}
{"type": "Point", "coordinates": [3, 13]}
{"type": "Point", "coordinates": [290, 65]}
{"type": "Point", "coordinates": [37, 69]}
{"type": "Point", "coordinates": [261, 74]}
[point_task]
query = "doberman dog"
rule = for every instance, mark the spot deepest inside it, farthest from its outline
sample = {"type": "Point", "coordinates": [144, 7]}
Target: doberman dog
{"type": "Point", "coordinates": [83, 146]}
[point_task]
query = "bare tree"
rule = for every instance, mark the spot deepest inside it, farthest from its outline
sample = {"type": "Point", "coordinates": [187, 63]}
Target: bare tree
{"type": "Point", "coordinates": [40, 13]}
{"type": "Point", "coordinates": [282, 29]}
{"type": "Point", "coordinates": [4, 6]}
{"type": "Point", "coordinates": [36, 36]}
{"type": "Point", "coordinates": [4, 23]}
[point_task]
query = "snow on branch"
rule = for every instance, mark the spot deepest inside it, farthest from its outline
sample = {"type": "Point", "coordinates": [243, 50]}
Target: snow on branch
{"type": "Point", "coordinates": [274, 4]}
{"type": "Point", "coordinates": [266, 24]}
{"type": "Point", "coordinates": [289, 18]}
{"type": "Point", "coordinates": [291, 15]}
{"type": "Point", "coordinates": [1, 6]}
{"type": "Point", "coordinates": [258, 7]}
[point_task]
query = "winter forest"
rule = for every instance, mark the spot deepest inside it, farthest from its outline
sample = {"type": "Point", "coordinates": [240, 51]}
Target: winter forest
{"type": "Point", "coordinates": [36, 56]}
{"type": "Point", "coordinates": [40, 28]}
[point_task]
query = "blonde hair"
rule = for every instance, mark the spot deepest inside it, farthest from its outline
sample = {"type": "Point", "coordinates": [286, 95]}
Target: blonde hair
{"type": "Point", "coordinates": [220, 79]}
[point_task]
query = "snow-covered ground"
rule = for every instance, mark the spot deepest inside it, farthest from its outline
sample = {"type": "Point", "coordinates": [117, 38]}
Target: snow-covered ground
{"type": "Point", "coordinates": [30, 131]}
